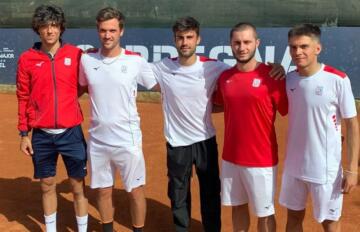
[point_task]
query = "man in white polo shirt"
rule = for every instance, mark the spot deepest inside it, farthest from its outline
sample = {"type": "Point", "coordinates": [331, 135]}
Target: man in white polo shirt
{"type": "Point", "coordinates": [319, 98]}
{"type": "Point", "coordinates": [187, 84]}
{"type": "Point", "coordinates": [112, 74]}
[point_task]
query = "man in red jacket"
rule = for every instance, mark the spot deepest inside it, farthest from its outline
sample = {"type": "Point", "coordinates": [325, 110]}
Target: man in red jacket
{"type": "Point", "coordinates": [47, 78]}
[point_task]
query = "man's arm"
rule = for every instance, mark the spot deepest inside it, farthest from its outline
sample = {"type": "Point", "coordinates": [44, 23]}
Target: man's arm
{"type": "Point", "coordinates": [280, 97]}
{"type": "Point", "coordinates": [352, 145]}
{"type": "Point", "coordinates": [82, 90]}
{"type": "Point", "coordinates": [82, 84]}
{"type": "Point", "coordinates": [23, 95]}
{"type": "Point", "coordinates": [217, 108]}
{"type": "Point", "coordinates": [217, 100]}
{"type": "Point", "coordinates": [147, 77]}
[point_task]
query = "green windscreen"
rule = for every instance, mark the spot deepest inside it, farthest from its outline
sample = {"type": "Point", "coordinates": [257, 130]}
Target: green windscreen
{"type": "Point", "coordinates": [210, 13]}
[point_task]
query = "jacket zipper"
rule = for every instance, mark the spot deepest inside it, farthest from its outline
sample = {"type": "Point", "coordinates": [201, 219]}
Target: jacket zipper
{"type": "Point", "coordinates": [55, 93]}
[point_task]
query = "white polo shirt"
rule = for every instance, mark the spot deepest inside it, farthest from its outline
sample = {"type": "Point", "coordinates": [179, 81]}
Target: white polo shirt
{"type": "Point", "coordinates": [316, 106]}
{"type": "Point", "coordinates": [186, 98]}
{"type": "Point", "coordinates": [112, 86]}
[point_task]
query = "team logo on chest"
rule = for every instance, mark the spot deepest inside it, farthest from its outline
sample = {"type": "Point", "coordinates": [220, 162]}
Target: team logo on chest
{"type": "Point", "coordinates": [228, 81]}
{"type": "Point", "coordinates": [319, 90]}
{"type": "Point", "coordinates": [124, 69]}
{"type": "Point", "coordinates": [256, 82]}
{"type": "Point", "coordinates": [39, 64]}
{"type": "Point", "coordinates": [67, 61]}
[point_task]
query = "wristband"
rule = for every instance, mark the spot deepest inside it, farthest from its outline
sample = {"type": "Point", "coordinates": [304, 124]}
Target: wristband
{"type": "Point", "coordinates": [24, 133]}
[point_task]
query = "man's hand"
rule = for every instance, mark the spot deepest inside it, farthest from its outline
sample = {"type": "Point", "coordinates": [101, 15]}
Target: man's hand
{"type": "Point", "coordinates": [25, 146]}
{"type": "Point", "coordinates": [277, 71]}
{"type": "Point", "coordinates": [350, 180]}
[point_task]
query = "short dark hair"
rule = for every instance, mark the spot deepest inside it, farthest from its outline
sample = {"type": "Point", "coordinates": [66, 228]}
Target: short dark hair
{"type": "Point", "coordinates": [48, 14]}
{"type": "Point", "coordinates": [243, 26]}
{"type": "Point", "coordinates": [306, 29]}
{"type": "Point", "coordinates": [186, 24]}
{"type": "Point", "coordinates": [108, 13]}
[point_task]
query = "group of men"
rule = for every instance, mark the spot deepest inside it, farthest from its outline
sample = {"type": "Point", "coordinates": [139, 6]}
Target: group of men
{"type": "Point", "coordinates": [52, 75]}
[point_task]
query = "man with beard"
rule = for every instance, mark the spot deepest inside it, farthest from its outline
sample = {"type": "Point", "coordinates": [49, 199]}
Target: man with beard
{"type": "Point", "coordinates": [187, 84]}
{"type": "Point", "coordinates": [250, 99]}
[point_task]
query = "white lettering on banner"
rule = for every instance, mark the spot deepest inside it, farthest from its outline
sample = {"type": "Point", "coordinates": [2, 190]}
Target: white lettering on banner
{"type": "Point", "coordinates": [217, 50]}
{"type": "Point", "coordinates": [286, 61]}
{"type": "Point", "coordinates": [200, 49]}
{"type": "Point", "coordinates": [161, 51]}
{"type": "Point", "coordinates": [269, 54]}
{"type": "Point", "coordinates": [158, 50]}
{"type": "Point", "coordinates": [6, 54]}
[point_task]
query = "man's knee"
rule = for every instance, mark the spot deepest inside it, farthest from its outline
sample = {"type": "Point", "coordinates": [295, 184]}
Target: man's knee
{"type": "Point", "coordinates": [295, 219]}
{"type": "Point", "coordinates": [241, 213]}
{"type": "Point", "coordinates": [267, 218]}
{"type": "Point", "coordinates": [104, 193]}
{"type": "Point", "coordinates": [241, 209]}
{"type": "Point", "coordinates": [77, 188]}
{"type": "Point", "coordinates": [267, 223]}
{"type": "Point", "coordinates": [48, 185]}
{"type": "Point", "coordinates": [137, 193]}
{"type": "Point", "coordinates": [331, 226]}
{"type": "Point", "coordinates": [296, 215]}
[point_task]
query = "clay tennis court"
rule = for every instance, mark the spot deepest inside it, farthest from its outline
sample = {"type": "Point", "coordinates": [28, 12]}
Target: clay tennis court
{"type": "Point", "coordinates": [20, 199]}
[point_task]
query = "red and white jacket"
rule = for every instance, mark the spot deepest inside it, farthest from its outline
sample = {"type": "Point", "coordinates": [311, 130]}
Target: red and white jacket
{"type": "Point", "coordinates": [47, 88]}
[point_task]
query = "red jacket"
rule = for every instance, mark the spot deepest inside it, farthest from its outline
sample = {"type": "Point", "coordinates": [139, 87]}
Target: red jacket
{"type": "Point", "coordinates": [47, 88]}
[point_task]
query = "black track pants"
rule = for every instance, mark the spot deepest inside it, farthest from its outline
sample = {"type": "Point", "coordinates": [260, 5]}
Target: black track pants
{"type": "Point", "coordinates": [204, 156]}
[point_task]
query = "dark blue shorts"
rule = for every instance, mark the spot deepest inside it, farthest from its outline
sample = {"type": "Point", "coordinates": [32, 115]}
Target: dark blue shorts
{"type": "Point", "coordinates": [47, 147]}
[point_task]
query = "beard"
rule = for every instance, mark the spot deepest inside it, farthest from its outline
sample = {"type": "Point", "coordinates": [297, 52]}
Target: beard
{"type": "Point", "coordinates": [186, 54]}
{"type": "Point", "coordinates": [244, 61]}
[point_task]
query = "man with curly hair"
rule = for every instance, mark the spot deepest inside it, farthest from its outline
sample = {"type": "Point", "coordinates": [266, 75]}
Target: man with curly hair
{"type": "Point", "coordinates": [47, 78]}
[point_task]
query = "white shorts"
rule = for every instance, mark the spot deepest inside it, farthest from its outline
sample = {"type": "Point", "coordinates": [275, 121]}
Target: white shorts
{"type": "Point", "coordinates": [241, 185]}
{"type": "Point", "coordinates": [326, 198]}
{"type": "Point", "coordinates": [105, 160]}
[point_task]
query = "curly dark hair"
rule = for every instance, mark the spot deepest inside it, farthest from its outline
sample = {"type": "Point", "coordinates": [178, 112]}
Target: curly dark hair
{"type": "Point", "coordinates": [48, 14]}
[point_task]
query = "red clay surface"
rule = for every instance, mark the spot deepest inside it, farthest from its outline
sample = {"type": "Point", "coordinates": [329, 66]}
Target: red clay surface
{"type": "Point", "coordinates": [20, 199]}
